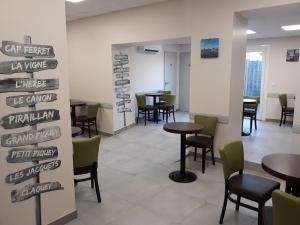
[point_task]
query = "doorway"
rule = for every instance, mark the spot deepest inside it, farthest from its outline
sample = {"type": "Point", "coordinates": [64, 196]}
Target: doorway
{"type": "Point", "coordinates": [170, 71]}
{"type": "Point", "coordinates": [184, 81]}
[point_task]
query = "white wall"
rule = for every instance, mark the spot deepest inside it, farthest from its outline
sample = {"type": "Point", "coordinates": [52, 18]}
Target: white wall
{"type": "Point", "coordinates": [36, 18]}
{"type": "Point", "coordinates": [281, 76]}
{"type": "Point", "coordinates": [212, 90]}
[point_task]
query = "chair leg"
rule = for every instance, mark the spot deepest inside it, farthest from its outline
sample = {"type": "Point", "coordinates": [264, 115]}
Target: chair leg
{"type": "Point", "coordinates": [284, 121]}
{"type": "Point", "coordinates": [138, 116]}
{"type": "Point", "coordinates": [92, 181]}
{"type": "Point", "coordinates": [224, 205]}
{"type": "Point", "coordinates": [203, 159]}
{"type": "Point", "coordinates": [255, 122]}
{"type": "Point", "coordinates": [195, 155]}
{"type": "Point", "coordinates": [260, 209]}
{"type": "Point", "coordinates": [95, 176]}
{"type": "Point", "coordinates": [82, 125]}
{"type": "Point", "coordinates": [251, 122]}
{"type": "Point", "coordinates": [174, 114]}
{"type": "Point", "coordinates": [167, 116]}
{"type": "Point", "coordinates": [96, 126]}
{"type": "Point", "coordinates": [145, 112]}
{"type": "Point", "coordinates": [281, 118]}
{"type": "Point", "coordinates": [237, 206]}
{"type": "Point", "coordinates": [212, 155]}
{"type": "Point", "coordinates": [89, 128]}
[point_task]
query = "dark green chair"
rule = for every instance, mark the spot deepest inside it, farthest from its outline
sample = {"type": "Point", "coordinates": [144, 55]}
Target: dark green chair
{"type": "Point", "coordinates": [204, 139]}
{"type": "Point", "coordinates": [90, 118]}
{"type": "Point", "coordinates": [162, 99]}
{"type": "Point", "coordinates": [285, 210]}
{"type": "Point", "coordinates": [168, 107]}
{"type": "Point", "coordinates": [250, 110]}
{"type": "Point", "coordinates": [285, 110]}
{"type": "Point", "coordinates": [251, 187]}
{"type": "Point", "coordinates": [143, 108]}
{"type": "Point", "coordinates": [85, 160]}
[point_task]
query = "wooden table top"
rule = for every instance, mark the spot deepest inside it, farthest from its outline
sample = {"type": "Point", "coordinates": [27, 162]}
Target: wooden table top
{"type": "Point", "coordinates": [183, 128]}
{"type": "Point", "coordinates": [77, 103]}
{"type": "Point", "coordinates": [76, 131]}
{"type": "Point", "coordinates": [283, 166]}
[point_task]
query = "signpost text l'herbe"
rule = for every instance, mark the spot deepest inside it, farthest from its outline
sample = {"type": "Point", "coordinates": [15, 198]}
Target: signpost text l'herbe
{"type": "Point", "coordinates": [37, 58]}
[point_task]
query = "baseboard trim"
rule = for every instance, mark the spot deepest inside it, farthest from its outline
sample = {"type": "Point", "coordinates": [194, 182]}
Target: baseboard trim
{"type": "Point", "coordinates": [124, 128]}
{"type": "Point", "coordinates": [65, 219]}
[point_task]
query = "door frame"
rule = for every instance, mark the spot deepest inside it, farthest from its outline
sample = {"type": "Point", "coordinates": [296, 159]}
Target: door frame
{"type": "Point", "coordinates": [265, 49]}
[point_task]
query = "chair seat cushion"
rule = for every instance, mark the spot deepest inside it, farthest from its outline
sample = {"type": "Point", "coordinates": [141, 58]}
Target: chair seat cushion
{"type": "Point", "coordinates": [252, 187]}
{"type": "Point", "coordinates": [199, 141]}
{"type": "Point", "coordinates": [84, 118]}
{"type": "Point", "coordinates": [268, 215]}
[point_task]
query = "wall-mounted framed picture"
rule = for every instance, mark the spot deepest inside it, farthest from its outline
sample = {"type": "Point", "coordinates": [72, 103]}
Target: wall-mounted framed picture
{"type": "Point", "coordinates": [210, 48]}
{"type": "Point", "coordinates": [292, 55]}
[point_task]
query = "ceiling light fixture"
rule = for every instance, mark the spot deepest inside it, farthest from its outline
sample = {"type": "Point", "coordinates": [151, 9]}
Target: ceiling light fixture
{"type": "Point", "coordinates": [291, 27]}
{"type": "Point", "coordinates": [75, 1]}
{"type": "Point", "coordinates": [251, 32]}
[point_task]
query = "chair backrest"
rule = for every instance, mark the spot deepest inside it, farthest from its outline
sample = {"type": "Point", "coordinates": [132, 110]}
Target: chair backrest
{"type": "Point", "coordinates": [286, 208]}
{"type": "Point", "coordinates": [232, 157]}
{"type": "Point", "coordinates": [85, 151]}
{"type": "Point", "coordinates": [283, 100]}
{"type": "Point", "coordinates": [165, 92]}
{"type": "Point", "coordinates": [209, 123]}
{"type": "Point", "coordinates": [252, 106]}
{"type": "Point", "coordinates": [141, 100]}
{"type": "Point", "coordinates": [92, 110]}
{"type": "Point", "coordinates": [170, 100]}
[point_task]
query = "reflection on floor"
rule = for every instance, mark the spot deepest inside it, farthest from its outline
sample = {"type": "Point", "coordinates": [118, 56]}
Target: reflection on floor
{"type": "Point", "coordinates": [135, 188]}
{"type": "Point", "coordinates": [269, 138]}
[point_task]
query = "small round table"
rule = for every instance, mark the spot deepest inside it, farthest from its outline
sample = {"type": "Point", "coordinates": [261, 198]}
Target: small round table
{"type": "Point", "coordinates": [183, 176]}
{"type": "Point", "coordinates": [246, 101]}
{"type": "Point", "coordinates": [73, 105]}
{"type": "Point", "coordinates": [76, 131]}
{"type": "Point", "coordinates": [285, 167]}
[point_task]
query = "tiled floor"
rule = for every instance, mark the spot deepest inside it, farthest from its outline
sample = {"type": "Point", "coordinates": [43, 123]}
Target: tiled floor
{"type": "Point", "coordinates": [135, 188]}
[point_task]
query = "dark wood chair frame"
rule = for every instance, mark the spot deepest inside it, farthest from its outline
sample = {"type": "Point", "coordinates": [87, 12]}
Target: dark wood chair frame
{"type": "Point", "coordinates": [252, 114]}
{"type": "Point", "coordinates": [205, 150]}
{"type": "Point", "coordinates": [227, 196]}
{"type": "Point", "coordinates": [285, 111]}
{"type": "Point", "coordinates": [90, 122]}
{"type": "Point", "coordinates": [146, 110]}
{"type": "Point", "coordinates": [92, 170]}
{"type": "Point", "coordinates": [167, 110]}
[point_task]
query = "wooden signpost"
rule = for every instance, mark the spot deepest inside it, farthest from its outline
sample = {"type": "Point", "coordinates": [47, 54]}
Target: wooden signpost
{"type": "Point", "coordinates": [20, 155]}
{"type": "Point", "coordinates": [30, 85]}
{"type": "Point", "coordinates": [32, 117]}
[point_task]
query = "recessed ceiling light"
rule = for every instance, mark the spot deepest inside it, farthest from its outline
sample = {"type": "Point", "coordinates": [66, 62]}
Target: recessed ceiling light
{"type": "Point", "coordinates": [251, 32]}
{"type": "Point", "coordinates": [291, 27]}
{"type": "Point", "coordinates": [75, 1]}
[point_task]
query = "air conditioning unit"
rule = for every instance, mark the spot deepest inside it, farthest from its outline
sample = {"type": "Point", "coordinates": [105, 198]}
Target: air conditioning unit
{"type": "Point", "coordinates": [151, 49]}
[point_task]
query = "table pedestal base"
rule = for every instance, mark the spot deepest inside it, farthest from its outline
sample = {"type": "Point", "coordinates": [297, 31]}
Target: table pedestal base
{"type": "Point", "coordinates": [186, 177]}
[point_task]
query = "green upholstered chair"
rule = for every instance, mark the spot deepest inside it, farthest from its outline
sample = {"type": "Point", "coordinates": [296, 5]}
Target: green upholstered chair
{"type": "Point", "coordinates": [285, 210]}
{"type": "Point", "coordinates": [90, 118]}
{"type": "Point", "coordinates": [204, 139]}
{"type": "Point", "coordinates": [285, 110]}
{"type": "Point", "coordinates": [251, 187]}
{"type": "Point", "coordinates": [250, 110]}
{"type": "Point", "coordinates": [168, 107]}
{"type": "Point", "coordinates": [85, 160]}
{"type": "Point", "coordinates": [143, 108]}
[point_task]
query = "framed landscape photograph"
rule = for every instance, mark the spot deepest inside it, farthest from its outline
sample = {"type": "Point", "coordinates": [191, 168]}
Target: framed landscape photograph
{"type": "Point", "coordinates": [292, 55]}
{"type": "Point", "coordinates": [210, 48]}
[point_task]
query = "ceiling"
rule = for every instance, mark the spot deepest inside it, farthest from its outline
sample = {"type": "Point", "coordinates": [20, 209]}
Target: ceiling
{"type": "Point", "coordinates": [267, 22]}
{"type": "Point", "coordinates": [96, 7]}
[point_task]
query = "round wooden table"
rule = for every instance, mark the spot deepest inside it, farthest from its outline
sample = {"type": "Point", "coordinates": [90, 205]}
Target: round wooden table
{"type": "Point", "coordinates": [183, 176]}
{"type": "Point", "coordinates": [76, 131]}
{"type": "Point", "coordinates": [73, 105]}
{"type": "Point", "coordinates": [285, 167]}
{"type": "Point", "coordinates": [246, 101]}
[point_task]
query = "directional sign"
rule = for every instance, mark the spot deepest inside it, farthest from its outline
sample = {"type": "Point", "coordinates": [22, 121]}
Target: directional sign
{"type": "Point", "coordinates": [28, 85]}
{"type": "Point", "coordinates": [122, 110]}
{"type": "Point", "coordinates": [16, 49]}
{"type": "Point", "coordinates": [31, 190]}
{"type": "Point", "coordinates": [28, 66]}
{"type": "Point", "coordinates": [122, 75]}
{"type": "Point", "coordinates": [122, 89]}
{"type": "Point", "coordinates": [122, 82]}
{"type": "Point", "coordinates": [121, 70]}
{"type": "Point", "coordinates": [17, 120]}
{"type": "Point", "coordinates": [121, 62]}
{"type": "Point", "coordinates": [28, 100]}
{"type": "Point", "coordinates": [122, 103]}
{"type": "Point", "coordinates": [126, 96]}
{"type": "Point", "coordinates": [30, 137]}
{"type": "Point", "coordinates": [120, 57]}
{"type": "Point", "coordinates": [20, 155]}
{"type": "Point", "coordinates": [25, 174]}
